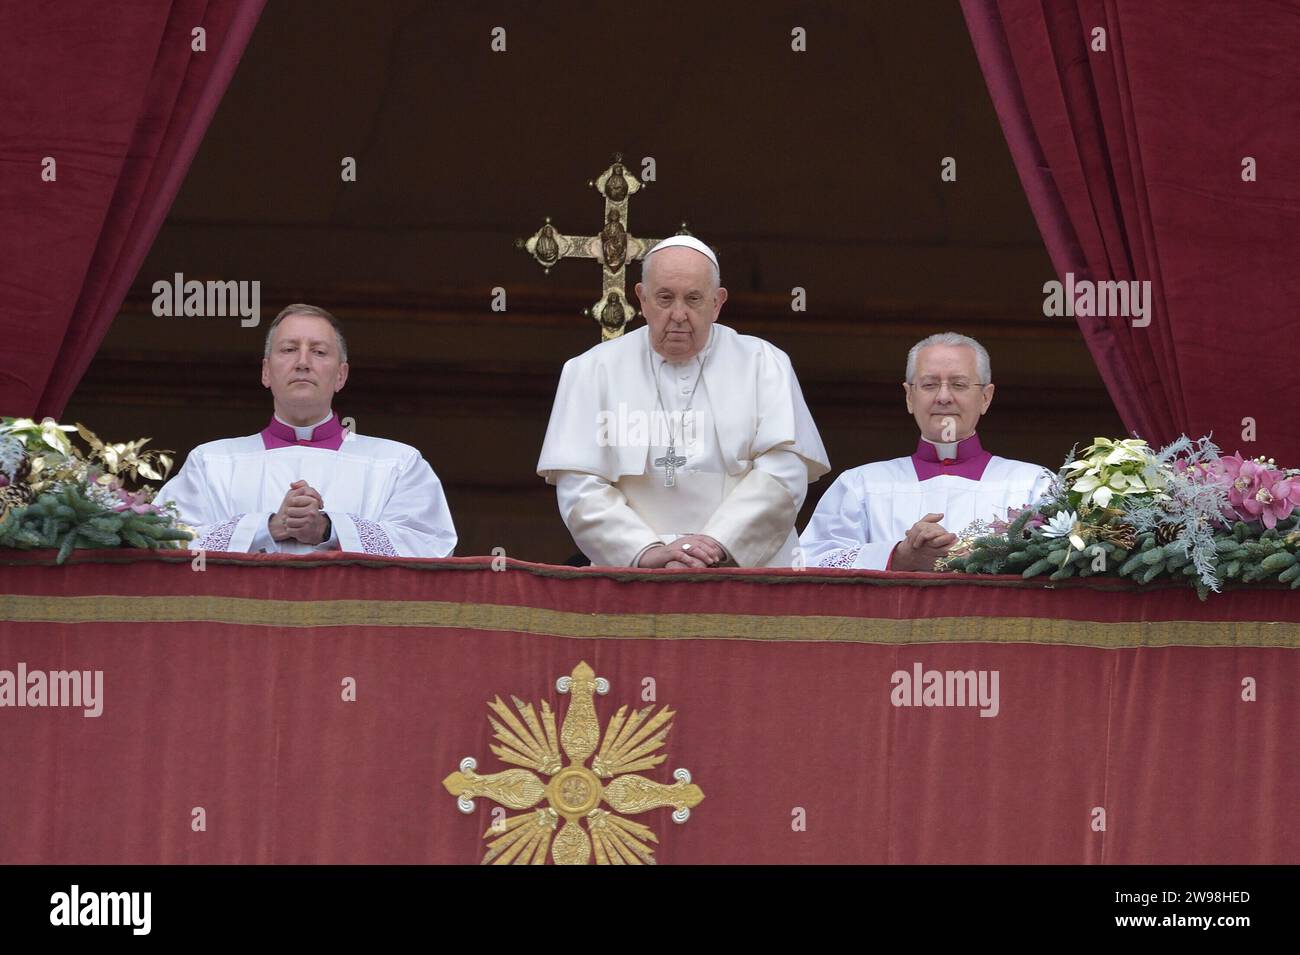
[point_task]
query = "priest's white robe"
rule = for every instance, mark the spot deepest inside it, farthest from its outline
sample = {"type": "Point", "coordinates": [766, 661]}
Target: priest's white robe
{"type": "Point", "coordinates": [869, 509]}
{"type": "Point", "coordinates": [381, 497]}
{"type": "Point", "coordinates": [752, 450]}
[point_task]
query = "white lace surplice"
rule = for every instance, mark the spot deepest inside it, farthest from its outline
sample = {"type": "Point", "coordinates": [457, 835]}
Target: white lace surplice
{"type": "Point", "coordinates": [869, 508]}
{"type": "Point", "coordinates": [381, 497]}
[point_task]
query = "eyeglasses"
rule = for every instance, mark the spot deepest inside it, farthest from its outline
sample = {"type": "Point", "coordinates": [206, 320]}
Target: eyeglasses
{"type": "Point", "coordinates": [958, 386]}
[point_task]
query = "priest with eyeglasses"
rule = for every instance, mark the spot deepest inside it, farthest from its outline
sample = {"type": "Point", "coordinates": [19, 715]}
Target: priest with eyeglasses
{"type": "Point", "coordinates": [906, 513]}
{"type": "Point", "coordinates": [682, 444]}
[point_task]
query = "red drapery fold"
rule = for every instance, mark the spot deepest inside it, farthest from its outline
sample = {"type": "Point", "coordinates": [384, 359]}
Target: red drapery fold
{"type": "Point", "coordinates": [1132, 157]}
{"type": "Point", "coordinates": [118, 98]}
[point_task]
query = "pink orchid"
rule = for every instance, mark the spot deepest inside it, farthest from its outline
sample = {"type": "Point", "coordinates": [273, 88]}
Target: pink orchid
{"type": "Point", "coordinates": [1203, 472]}
{"type": "Point", "coordinates": [1242, 481]}
{"type": "Point", "coordinates": [1001, 527]}
{"type": "Point", "coordinates": [1257, 492]}
{"type": "Point", "coordinates": [1273, 499]}
{"type": "Point", "coordinates": [134, 502]}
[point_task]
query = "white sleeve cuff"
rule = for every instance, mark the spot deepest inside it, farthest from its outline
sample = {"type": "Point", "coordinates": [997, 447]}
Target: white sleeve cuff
{"type": "Point", "coordinates": [636, 561]}
{"type": "Point", "coordinates": [874, 556]}
{"type": "Point", "coordinates": [860, 557]}
{"type": "Point", "coordinates": [263, 542]}
{"type": "Point", "coordinates": [242, 534]}
{"type": "Point", "coordinates": [357, 535]}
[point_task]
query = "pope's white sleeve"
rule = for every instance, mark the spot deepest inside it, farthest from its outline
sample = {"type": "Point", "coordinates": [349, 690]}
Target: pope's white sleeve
{"type": "Point", "coordinates": [414, 522]}
{"type": "Point", "coordinates": [603, 524]}
{"type": "Point", "coordinates": [756, 518]}
{"type": "Point", "coordinates": [839, 535]}
{"type": "Point", "coordinates": [790, 471]}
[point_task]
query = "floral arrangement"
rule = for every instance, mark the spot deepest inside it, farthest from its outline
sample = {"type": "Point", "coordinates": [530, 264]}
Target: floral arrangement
{"type": "Point", "coordinates": [1184, 513]}
{"type": "Point", "coordinates": [54, 494]}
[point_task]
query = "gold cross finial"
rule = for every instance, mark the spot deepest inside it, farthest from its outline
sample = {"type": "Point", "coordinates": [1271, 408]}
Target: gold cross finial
{"type": "Point", "coordinates": [614, 247]}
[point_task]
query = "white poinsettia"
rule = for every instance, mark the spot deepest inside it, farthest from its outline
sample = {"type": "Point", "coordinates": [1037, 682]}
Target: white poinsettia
{"type": "Point", "coordinates": [49, 432]}
{"type": "Point", "coordinates": [1065, 524]}
{"type": "Point", "coordinates": [1112, 469]}
{"type": "Point", "coordinates": [1100, 488]}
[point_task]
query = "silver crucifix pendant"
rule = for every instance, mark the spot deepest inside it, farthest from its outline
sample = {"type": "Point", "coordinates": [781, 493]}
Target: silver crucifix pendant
{"type": "Point", "coordinates": [670, 463]}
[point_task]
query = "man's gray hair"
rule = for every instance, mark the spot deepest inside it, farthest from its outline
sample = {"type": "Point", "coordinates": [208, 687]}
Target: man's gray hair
{"type": "Point", "coordinates": [982, 366]}
{"type": "Point", "coordinates": [308, 310]}
{"type": "Point", "coordinates": [717, 273]}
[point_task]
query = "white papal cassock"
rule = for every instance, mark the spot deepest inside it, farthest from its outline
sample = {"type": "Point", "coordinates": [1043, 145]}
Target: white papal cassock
{"type": "Point", "coordinates": [381, 496]}
{"type": "Point", "coordinates": [870, 508]}
{"type": "Point", "coordinates": [750, 445]}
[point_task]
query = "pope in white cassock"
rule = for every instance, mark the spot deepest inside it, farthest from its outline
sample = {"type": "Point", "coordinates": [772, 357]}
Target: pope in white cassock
{"type": "Point", "coordinates": [304, 483]}
{"type": "Point", "coordinates": [896, 515]}
{"type": "Point", "coordinates": [683, 443]}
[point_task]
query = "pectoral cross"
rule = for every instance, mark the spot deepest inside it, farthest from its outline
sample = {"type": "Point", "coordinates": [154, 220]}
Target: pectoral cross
{"type": "Point", "coordinates": [670, 463]}
{"type": "Point", "coordinates": [614, 247]}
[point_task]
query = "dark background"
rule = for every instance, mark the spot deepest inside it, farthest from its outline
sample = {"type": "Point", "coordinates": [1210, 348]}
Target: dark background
{"type": "Point", "coordinates": [817, 169]}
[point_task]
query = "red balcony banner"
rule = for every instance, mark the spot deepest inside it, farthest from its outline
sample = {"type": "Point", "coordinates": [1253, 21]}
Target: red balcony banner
{"type": "Point", "coordinates": [317, 709]}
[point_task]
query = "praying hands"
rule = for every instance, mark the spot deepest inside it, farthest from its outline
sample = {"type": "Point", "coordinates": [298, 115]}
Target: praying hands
{"type": "Point", "coordinates": [301, 516]}
{"type": "Point", "coordinates": [925, 542]}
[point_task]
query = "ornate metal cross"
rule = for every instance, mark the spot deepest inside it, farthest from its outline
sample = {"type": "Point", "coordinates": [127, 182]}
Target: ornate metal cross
{"type": "Point", "coordinates": [613, 248]}
{"type": "Point", "coordinates": [670, 462]}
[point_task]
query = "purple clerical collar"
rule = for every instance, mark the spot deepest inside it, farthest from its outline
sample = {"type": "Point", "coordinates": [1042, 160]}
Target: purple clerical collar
{"type": "Point", "coordinates": [328, 434]}
{"type": "Point", "coordinates": [968, 459]}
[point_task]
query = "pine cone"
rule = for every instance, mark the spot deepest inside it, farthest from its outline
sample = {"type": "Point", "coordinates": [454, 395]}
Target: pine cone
{"type": "Point", "coordinates": [1123, 535]}
{"type": "Point", "coordinates": [1167, 533]}
{"type": "Point", "coordinates": [14, 495]}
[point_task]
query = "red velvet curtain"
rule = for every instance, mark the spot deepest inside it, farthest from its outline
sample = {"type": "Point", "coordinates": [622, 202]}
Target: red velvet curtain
{"type": "Point", "coordinates": [1134, 160]}
{"type": "Point", "coordinates": [116, 95]}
